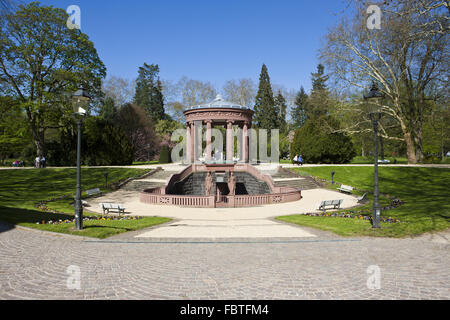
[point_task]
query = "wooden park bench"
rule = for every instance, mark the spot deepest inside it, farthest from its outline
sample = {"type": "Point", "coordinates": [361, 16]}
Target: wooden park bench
{"type": "Point", "coordinates": [107, 207]}
{"type": "Point", "coordinates": [335, 203]}
{"type": "Point", "coordinates": [92, 192]}
{"type": "Point", "coordinates": [362, 198]}
{"type": "Point", "coordinates": [345, 188]}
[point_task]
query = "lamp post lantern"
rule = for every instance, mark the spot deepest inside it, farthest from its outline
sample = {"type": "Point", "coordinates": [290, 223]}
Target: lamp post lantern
{"type": "Point", "coordinates": [80, 101]}
{"type": "Point", "coordinates": [374, 96]}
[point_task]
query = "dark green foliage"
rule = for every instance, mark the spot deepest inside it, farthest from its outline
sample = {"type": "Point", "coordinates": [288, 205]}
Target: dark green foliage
{"type": "Point", "coordinates": [158, 102]}
{"type": "Point", "coordinates": [319, 99]}
{"type": "Point", "coordinates": [14, 129]}
{"type": "Point", "coordinates": [265, 116]}
{"type": "Point", "coordinates": [28, 154]}
{"type": "Point", "coordinates": [102, 143]}
{"type": "Point", "coordinates": [317, 144]}
{"type": "Point", "coordinates": [164, 155]}
{"type": "Point", "coordinates": [298, 113]}
{"type": "Point", "coordinates": [106, 144]}
{"type": "Point", "coordinates": [108, 109]}
{"type": "Point", "coordinates": [149, 91]}
{"type": "Point", "coordinates": [281, 107]}
{"type": "Point", "coordinates": [319, 79]}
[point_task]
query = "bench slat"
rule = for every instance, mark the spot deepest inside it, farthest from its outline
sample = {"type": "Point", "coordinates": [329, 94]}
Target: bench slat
{"type": "Point", "coordinates": [335, 203]}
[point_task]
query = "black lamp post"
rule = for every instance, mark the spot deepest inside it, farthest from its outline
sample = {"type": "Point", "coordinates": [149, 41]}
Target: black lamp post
{"type": "Point", "coordinates": [80, 101]}
{"type": "Point", "coordinates": [375, 115]}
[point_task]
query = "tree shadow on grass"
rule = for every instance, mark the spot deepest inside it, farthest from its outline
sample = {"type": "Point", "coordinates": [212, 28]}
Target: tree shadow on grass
{"type": "Point", "coordinates": [16, 216]}
{"type": "Point", "coordinates": [96, 226]}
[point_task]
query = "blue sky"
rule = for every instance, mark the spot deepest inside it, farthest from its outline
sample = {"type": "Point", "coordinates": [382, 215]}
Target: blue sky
{"type": "Point", "coordinates": [210, 40]}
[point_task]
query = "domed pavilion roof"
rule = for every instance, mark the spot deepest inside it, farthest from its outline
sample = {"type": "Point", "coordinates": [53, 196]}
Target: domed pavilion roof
{"type": "Point", "coordinates": [218, 102]}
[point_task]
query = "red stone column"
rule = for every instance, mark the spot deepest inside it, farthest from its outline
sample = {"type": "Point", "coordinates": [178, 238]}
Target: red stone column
{"type": "Point", "coordinates": [208, 140]}
{"type": "Point", "coordinates": [188, 156]}
{"type": "Point", "coordinates": [245, 142]}
{"type": "Point", "coordinates": [229, 141]}
{"type": "Point", "coordinates": [192, 142]}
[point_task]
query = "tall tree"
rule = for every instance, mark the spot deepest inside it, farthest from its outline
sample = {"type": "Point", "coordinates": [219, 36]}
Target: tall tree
{"type": "Point", "coordinates": [407, 58]}
{"type": "Point", "coordinates": [108, 109]}
{"type": "Point", "coordinates": [265, 112]}
{"type": "Point", "coordinates": [281, 108]}
{"type": "Point", "coordinates": [119, 89]}
{"type": "Point", "coordinates": [149, 92]}
{"type": "Point", "coordinates": [319, 98]}
{"type": "Point", "coordinates": [41, 60]}
{"type": "Point", "coordinates": [139, 128]}
{"type": "Point", "coordinates": [14, 131]}
{"type": "Point", "coordinates": [319, 79]}
{"type": "Point", "coordinates": [240, 91]}
{"type": "Point", "coordinates": [185, 93]}
{"type": "Point", "coordinates": [299, 111]}
{"type": "Point", "coordinates": [194, 92]}
{"type": "Point", "coordinates": [158, 101]}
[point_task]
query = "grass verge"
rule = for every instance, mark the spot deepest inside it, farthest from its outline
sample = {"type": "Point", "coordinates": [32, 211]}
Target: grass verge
{"type": "Point", "coordinates": [20, 190]}
{"type": "Point", "coordinates": [424, 191]}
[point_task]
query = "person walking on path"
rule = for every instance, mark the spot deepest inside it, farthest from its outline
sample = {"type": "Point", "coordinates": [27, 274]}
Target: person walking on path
{"type": "Point", "coordinates": [294, 161]}
{"type": "Point", "coordinates": [300, 160]}
{"type": "Point", "coordinates": [37, 162]}
{"type": "Point", "coordinates": [43, 162]}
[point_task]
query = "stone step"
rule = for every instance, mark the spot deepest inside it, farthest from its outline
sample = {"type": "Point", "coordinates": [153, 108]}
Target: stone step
{"type": "Point", "coordinates": [137, 185]}
{"type": "Point", "coordinates": [284, 178]}
{"type": "Point", "coordinates": [161, 175]}
{"type": "Point", "coordinates": [155, 180]}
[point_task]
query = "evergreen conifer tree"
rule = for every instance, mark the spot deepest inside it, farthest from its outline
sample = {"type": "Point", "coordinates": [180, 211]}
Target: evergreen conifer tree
{"type": "Point", "coordinates": [299, 112]}
{"type": "Point", "coordinates": [149, 91]}
{"type": "Point", "coordinates": [319, 98]}
{"type": "Point", "coordinates": [281, 107]}
{"type": "Point", "coordinates": [265, 115]}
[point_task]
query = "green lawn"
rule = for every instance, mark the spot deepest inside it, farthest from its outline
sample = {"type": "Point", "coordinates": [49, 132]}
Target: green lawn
{"type": "Point", "coordinates": [139, 163]}
{"type": "Point", "coordinates": [425, 191]}
{"type": "Point", "coordinates": [20, 190]}
{"type": "Point", "coordinates": [369, 160]}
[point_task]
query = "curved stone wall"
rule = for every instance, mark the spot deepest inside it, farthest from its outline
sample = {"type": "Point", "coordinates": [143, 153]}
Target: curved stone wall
{"type": "Point", "coordinates": [259, 188]}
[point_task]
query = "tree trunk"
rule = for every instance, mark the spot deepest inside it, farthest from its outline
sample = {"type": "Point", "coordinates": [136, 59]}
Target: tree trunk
{"type": "Point", "coordinates": [410, 150]}
{"type": "Point", "coordinates": [418, 145]}
{"type": "Point", "coordinates": [38, 138]}
{"type": "Point", "coordinates": [413, 140]}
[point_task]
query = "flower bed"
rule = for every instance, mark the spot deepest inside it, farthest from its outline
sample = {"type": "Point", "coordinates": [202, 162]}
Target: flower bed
{"type": "Point", "coordinates": [361, 214]}
{"type": "Point", "coordinates": [109, 218]}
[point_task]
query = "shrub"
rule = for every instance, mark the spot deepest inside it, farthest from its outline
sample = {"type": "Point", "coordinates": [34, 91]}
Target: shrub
{"type": "Point", "coordinates": [102, 144]}
{"type": "Point", "coordinates": [164, 155]}
{"type": "Point", "coordinates": [430, 159]}
{"type": "Point", "coordinates": [318, 144]}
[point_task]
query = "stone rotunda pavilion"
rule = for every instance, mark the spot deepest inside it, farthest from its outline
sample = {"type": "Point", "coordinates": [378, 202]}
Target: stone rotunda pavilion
{"type": "Point", "coordinates": [212, 183]}
{"type": "Point", "coordinates": [218, 112]}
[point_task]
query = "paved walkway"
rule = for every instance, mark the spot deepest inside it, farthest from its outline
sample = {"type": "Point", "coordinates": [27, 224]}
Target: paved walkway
{"type": "Point", "coordinates": [253, 222]}
{"type": "Point", "coordinates": [34, 265]}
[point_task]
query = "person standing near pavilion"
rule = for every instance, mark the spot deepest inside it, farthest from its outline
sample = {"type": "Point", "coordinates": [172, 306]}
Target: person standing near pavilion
{"type": "Point", "coordinates": [37, 162]}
